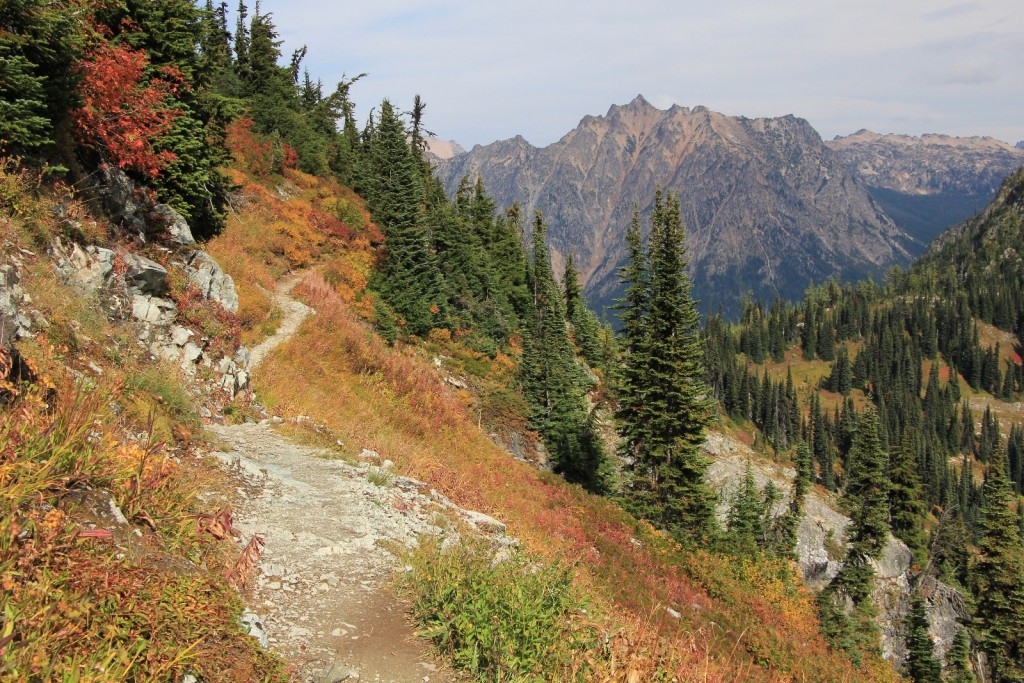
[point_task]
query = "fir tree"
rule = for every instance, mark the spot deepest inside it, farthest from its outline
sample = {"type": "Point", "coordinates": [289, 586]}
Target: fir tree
{"type": "Point", "coordinates": [554, 382]}
{"type": "Point", "coordinates": [408, 279]}
{"type": "Point", "coordinates": [801, 485]}
{"type": "Point", "coordinates": [744, 524]}
{"type": "Point", "coordinates": [922, 666]}
{"type": "Point", "coordinates": [906, 507]}
{"type": "Point", "coordinates": [999, 577]}
{"type": "Point", "coordinates": [958, 659]}
{"type": "Point", "coordinates": [585, 325]}
{"type": "Point", "coordinates": [666, 380]}
{"type": "Point", "coordinates": [867, 495]}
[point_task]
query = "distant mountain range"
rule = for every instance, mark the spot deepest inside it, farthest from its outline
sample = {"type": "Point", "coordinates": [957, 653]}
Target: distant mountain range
{"type": "Point", "coordinates": [928, 183]}
{"type": "Point", "coordinates": [769, 206]}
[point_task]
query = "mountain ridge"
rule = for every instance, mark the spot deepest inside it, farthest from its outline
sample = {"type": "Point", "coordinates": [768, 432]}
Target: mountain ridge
{"type": "Point", "coordinates": [770, 182]}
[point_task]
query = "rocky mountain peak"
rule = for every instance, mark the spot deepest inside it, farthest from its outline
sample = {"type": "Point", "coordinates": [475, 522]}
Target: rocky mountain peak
{"type": "Point", "coordinates": [767, 206]}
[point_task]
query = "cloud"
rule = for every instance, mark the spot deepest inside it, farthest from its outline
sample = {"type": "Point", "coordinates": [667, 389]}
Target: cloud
{"type": "Point", "coordinates": [975, 72]}
{"type": "Point", "coordinates": [535, 67]}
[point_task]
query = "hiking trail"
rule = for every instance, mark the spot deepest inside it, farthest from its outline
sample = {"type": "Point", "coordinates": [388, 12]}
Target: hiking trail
{"type": "Point", "coordinates": [323, 593]}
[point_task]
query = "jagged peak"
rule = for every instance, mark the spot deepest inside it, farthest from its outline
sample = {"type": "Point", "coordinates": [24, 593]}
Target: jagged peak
{"type": "Point", "coordinates": [638, 103]}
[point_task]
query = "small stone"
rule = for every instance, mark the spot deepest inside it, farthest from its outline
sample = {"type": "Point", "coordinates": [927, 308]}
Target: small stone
{"type": "Point", "coordinates": [673, 613]}
{"type": "Point", "coordinates": [180, 335]}
{"type": "Point", "coordinates": [191, 354]}
{"type": "Point", "coordinates": [254, 626]}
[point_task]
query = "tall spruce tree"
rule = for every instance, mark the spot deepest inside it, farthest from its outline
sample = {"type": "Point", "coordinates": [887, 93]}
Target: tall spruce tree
{"type": "Point", "coordinates": [958, 659]}
{"type": "Point", "coordinates": [787, 531]}
{"type": "Point", "coordinates": [867, 496]}
{"type": "Point", "coordinates": [922, 666]}
{"type": "Point", "coordinates": [554, 382]}
{"type": "Point", "coordinates": [666, 403]}
{"type": "Point", "coordinates": [408, 279]}
{"type": "Point", "coordinates": [586, 328]}
{"type": "Point", "coordinates": [999, 577]}
{"type": "Point", "coordinates": [906, 506]}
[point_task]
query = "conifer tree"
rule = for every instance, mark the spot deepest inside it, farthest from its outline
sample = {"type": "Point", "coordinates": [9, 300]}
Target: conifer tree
{"type": "Point", "coordinates": [922, 666]}
{"type": "Point", "coordinates": [585, 326]}
{"type": "Point", "coordinates": [999, 577]}
{"type": "Point", "coordinates": [801, 485]}
{"type": "Point", "coordinates": [906, 507]}
{"type": "Point", "coordinates": [666, 402]}
{"type": "Point", "coordinates": [744, 524]}
{"type": "Point", "coordinates": [408, 279]}
{"type": "Point", "coordinates": [958, 659]}
{"type": "Point", "coordinates": [867, 495]}
{"type": "Point", "coordinates": [554, 382]}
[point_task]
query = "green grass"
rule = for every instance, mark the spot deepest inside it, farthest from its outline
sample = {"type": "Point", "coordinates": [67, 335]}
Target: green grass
{"type": "Point", "coordinates": [510, 620]}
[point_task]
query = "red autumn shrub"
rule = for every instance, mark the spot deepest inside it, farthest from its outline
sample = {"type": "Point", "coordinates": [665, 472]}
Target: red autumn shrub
{"type": "Point", "coordinates": [123, 111]}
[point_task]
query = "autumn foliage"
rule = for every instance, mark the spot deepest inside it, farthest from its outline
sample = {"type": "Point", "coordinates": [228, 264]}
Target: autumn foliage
{"type": "Point", "coordinates": [124, 110]}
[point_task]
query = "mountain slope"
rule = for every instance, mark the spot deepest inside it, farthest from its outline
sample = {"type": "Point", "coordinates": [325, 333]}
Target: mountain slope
{"type": "Point", "coordinates": [931, 182]}
{"type": "Point", "coordinates": [768, 206]}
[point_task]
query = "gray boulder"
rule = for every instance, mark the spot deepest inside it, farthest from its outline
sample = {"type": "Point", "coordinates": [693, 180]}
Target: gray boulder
{"type": "Point", "coordinates": [144, 276]}
{"type": "Point", "coordinates": [214, 284]}
{"type": "Point", "coordinates": [120, 198]}
{"type": "Point", "coordinates": [136, 210]}
{"type": "Point", "coordinates": [89, 269]}
{"type": "Point", "coordinates": [153, 310]}
{"type": "Point", "coordinates": [174, 224]}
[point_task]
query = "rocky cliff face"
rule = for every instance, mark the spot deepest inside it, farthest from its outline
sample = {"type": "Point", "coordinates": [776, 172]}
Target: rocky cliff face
{"type": "Point", "coordinates": [821, 546]}
{"type": "Point", "coordinates": [768, 206]}
{"type": "Point", "coordinates": [928, 183]}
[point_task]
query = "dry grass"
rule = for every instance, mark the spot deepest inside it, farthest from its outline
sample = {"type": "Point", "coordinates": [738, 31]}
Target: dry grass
{"type": "Point", "coordinates": [337, 371]}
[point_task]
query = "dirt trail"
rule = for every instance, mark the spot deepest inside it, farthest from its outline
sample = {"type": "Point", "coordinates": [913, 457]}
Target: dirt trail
{"type": "Point", "coordinates": [323, 594]}
{"type": "Point", "coordinates": [295, 312]}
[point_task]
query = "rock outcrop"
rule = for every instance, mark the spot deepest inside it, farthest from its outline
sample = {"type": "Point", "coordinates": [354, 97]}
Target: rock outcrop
{"type": "Point", "coordinates": [130, 285]}
{"type": "Point", "coordinates": [213, 283]}
{"type": "Point", "coordinates": [14, 322]}
{"type": "Point", "coordinates": [767, 205]}
{"type": "Point", "coordinates": [821, 546]}
{"type": "Point", "coordinates": [135, 209]}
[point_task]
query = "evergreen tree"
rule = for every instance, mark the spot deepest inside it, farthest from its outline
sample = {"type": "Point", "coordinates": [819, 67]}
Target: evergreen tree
{"type": "Point", "coordinates": [867, 496]}
{"type": "Point", "coordinates": [744, 524]}
{"type": "Point", "coordinates": [958, 659]}
{"type": "Point", "coordinates": [40, 42]}
{"type": "Point", "coordinates": [906, 506]}
{"type": "Point", "coordinates": [666, 378]}
{"type": "Point", "coordinates": [922, 666]}
{"type": "Point", "coordinates": [999, 577]}
{"type": "Point", "coordinates": [408, 279]}
{"type": "Point", "coordinates": [801, 485]}
{"type": "Point", "coordinates": [585, 325]}
{"type": "Point", "coordinates": [555, 384]}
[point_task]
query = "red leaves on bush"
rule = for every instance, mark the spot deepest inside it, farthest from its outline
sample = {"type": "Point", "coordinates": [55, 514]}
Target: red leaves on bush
{"type": "Point", "coordinates": [260, 154]}
{"type": "Point", "coordinates": [123, 110]}
{"type": "Point", "coordinates": [330, 226]}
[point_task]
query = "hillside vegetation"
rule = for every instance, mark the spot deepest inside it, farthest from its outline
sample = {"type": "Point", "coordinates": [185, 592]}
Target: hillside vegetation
{"type": "Point", "coordinates": [442, 332]}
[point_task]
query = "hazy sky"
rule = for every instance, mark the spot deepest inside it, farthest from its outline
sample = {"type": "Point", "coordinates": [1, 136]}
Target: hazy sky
{"type": "Point", "coordinates": [491, 70]}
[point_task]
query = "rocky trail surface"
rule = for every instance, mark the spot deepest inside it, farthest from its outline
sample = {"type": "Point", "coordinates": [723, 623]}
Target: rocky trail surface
{"type": "Point", "coordinates": [323, 596]}
{"type": "Point", "coordinates": [295, 312]}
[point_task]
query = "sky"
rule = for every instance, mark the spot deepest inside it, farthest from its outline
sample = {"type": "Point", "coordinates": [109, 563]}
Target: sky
{"type": "Point", "coordinates": [491, 70]}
